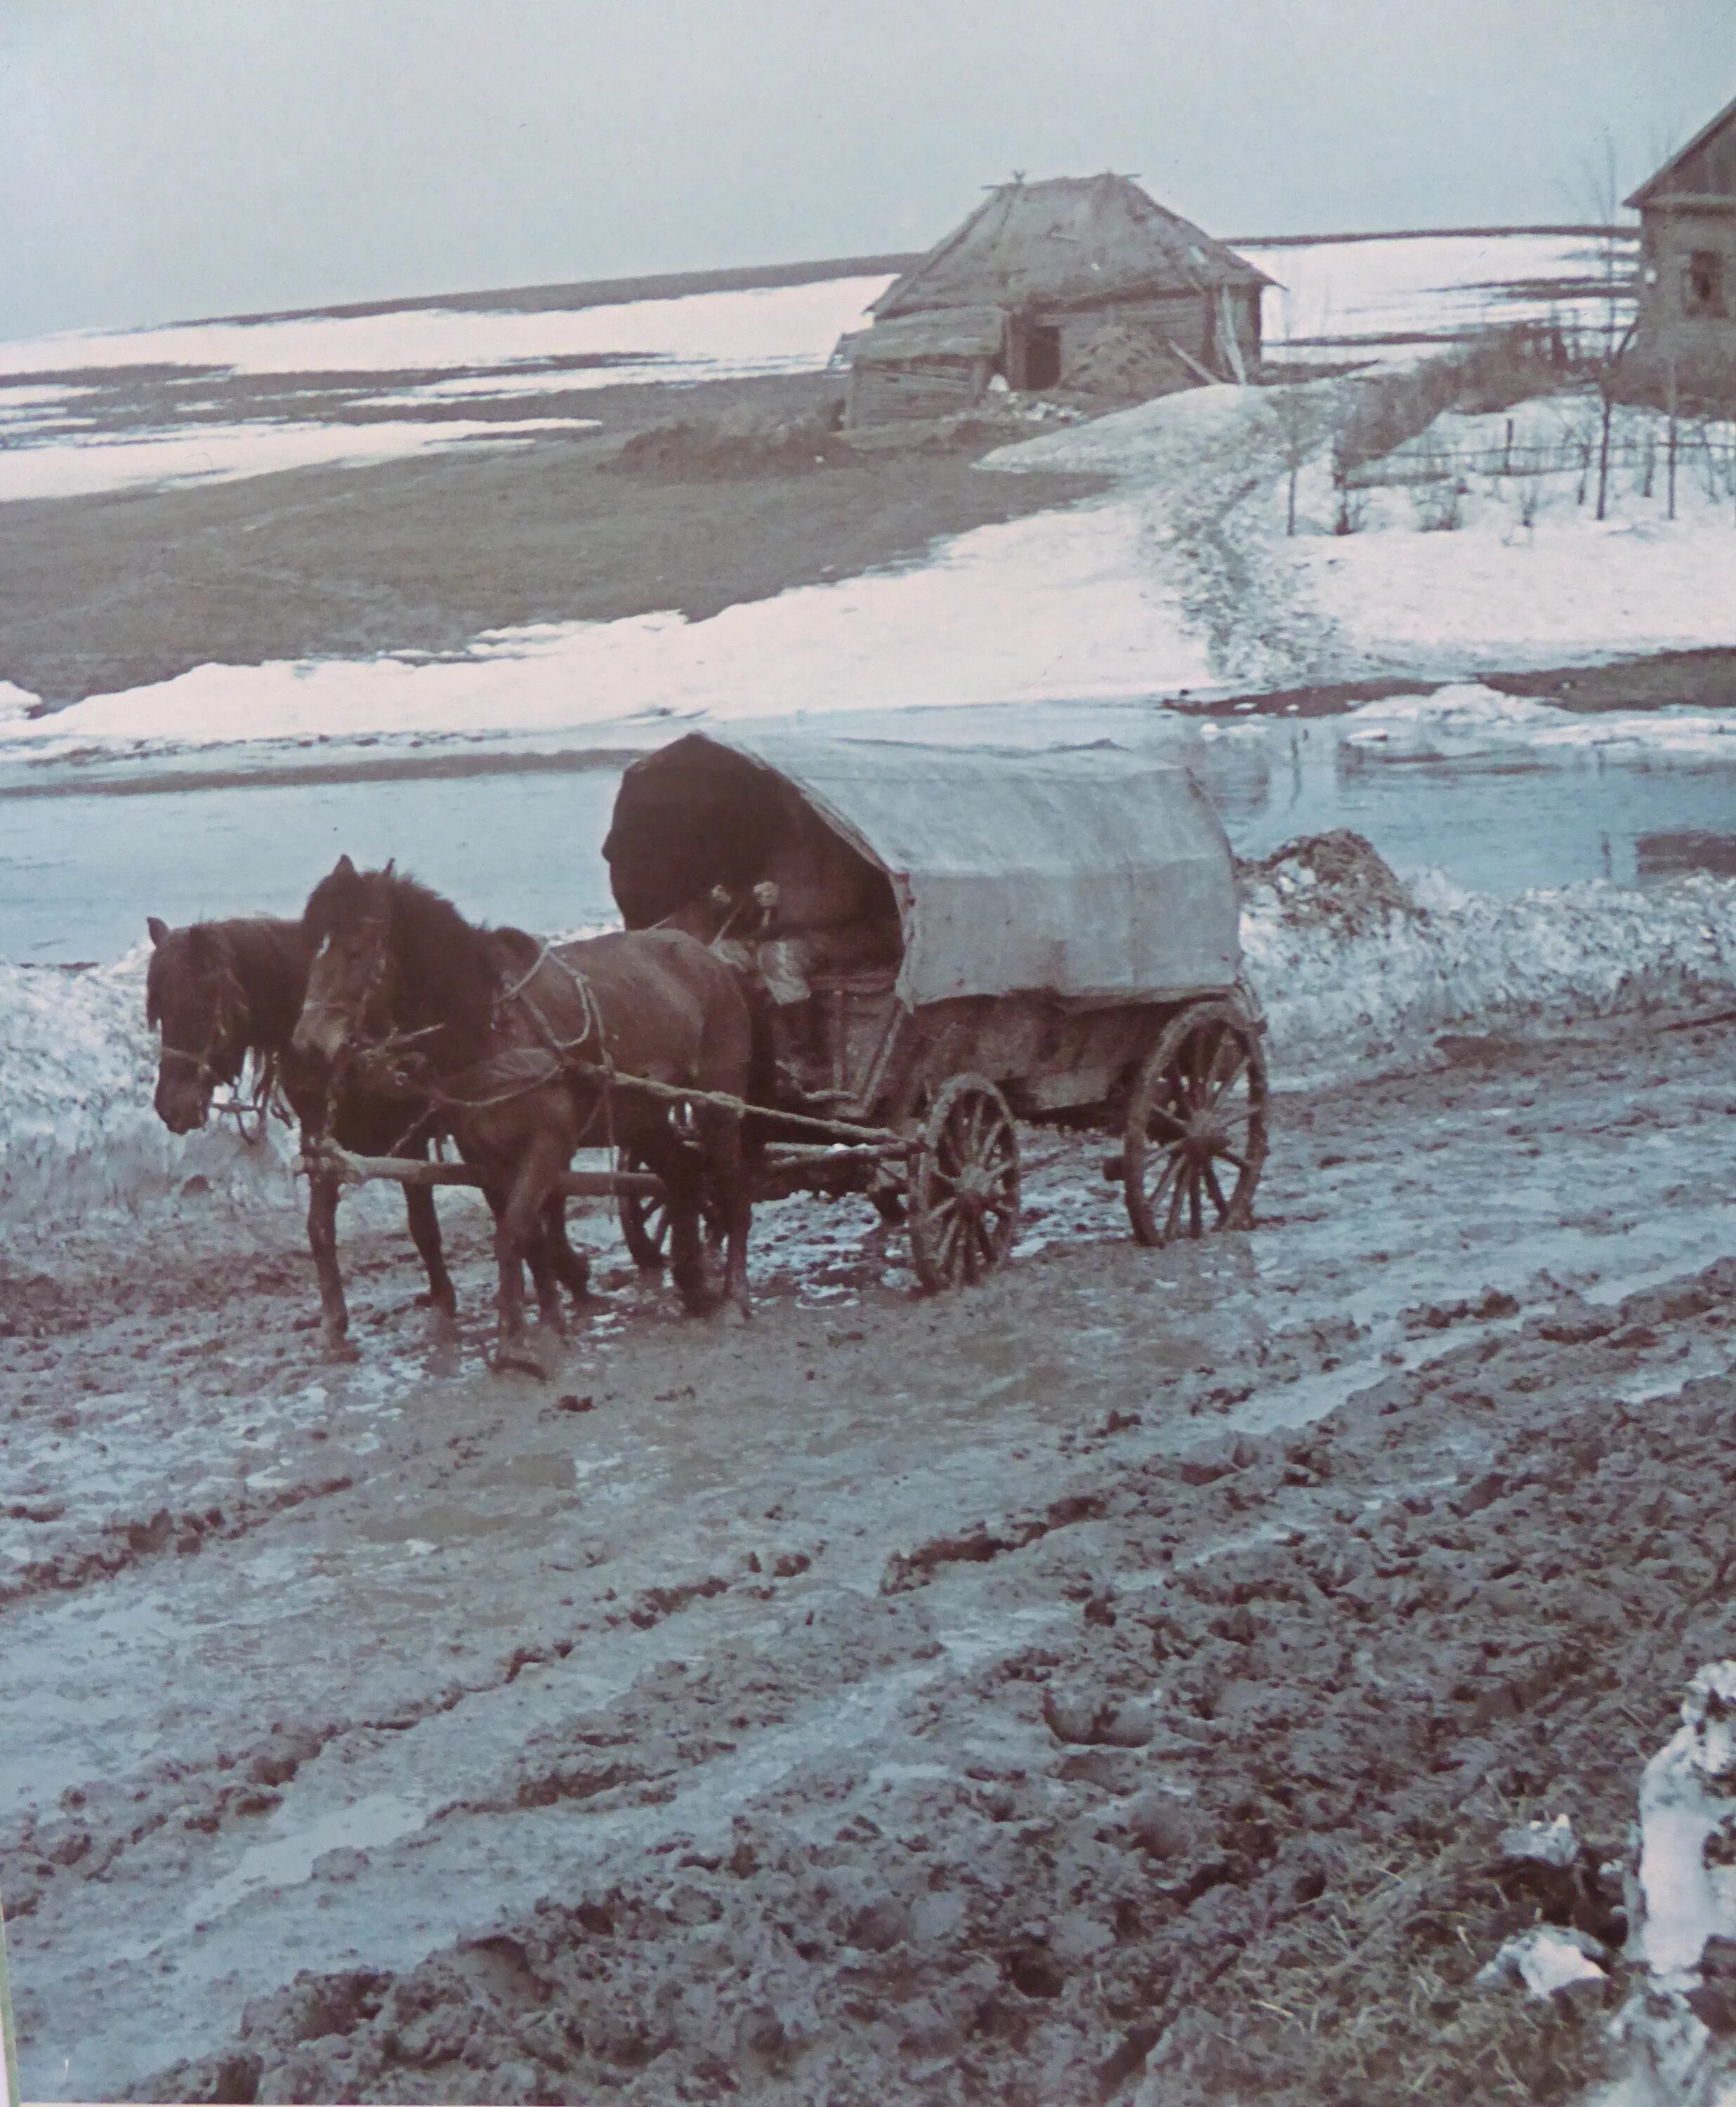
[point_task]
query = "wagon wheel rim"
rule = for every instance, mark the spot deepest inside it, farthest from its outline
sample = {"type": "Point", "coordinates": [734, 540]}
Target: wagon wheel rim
{"type": "Point", "coordinates": [964, 1185]}
{"type": "Point", "coordinates": [1195, 1140]}
{"type": "Point", "coordinates": [644, 1220]}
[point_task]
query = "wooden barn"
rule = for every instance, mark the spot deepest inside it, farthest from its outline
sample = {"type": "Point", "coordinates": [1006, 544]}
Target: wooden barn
{"type": "Point", "coordinates": [1080, 282]}
{"type": "Point", "coordinates": [1687, 291]}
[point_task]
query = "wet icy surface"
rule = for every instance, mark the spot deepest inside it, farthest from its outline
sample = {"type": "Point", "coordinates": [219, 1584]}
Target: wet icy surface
{"type": "Point", "coordinates": [78, 874]}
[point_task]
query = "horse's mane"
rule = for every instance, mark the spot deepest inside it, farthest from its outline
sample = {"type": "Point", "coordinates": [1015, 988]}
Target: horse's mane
{"type": "Point", "coordinates": [450, 967]}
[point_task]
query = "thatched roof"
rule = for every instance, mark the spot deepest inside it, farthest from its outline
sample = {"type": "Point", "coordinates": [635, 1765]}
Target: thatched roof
{"type": "Point", "coordinates": [943, 333]}
{"type": "Point", "coordinates": [1071, 241]}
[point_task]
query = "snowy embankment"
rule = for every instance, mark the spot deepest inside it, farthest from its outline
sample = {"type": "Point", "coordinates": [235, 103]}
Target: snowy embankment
{"type": "Point", "coordinates": [78, 1067]}
{"type": "Point", "coordinates": [1183, 579]}
{"type": "Point", "coordinates": [1346, 982]}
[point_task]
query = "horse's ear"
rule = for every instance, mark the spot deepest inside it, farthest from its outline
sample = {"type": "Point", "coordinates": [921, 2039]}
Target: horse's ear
{"type": "Point", "coordinates": [343, 868]}
{"type": "Point", "coordinates": [391, 865]}
{"type": "Point", "coordinates": [159, 928]}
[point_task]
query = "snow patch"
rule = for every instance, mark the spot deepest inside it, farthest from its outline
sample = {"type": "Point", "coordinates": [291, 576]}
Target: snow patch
{"type": "Point", "coordinates": [1058, 606]}
{"type": "Point", "coordinates": [1685, 1896]}
{"type": "Point", "coordinates": [1462, 962]}
{"type": "Point", "coordinates": [1545, 1959]}
{"type": "Point", "coordinates": [700, 335]}
{"type": "Point", "coordinates": [77, 1129]}
{"type": "Point", "coordinates": [1467, 718]}
{"type": "Point", "coordinates": [77, 467]}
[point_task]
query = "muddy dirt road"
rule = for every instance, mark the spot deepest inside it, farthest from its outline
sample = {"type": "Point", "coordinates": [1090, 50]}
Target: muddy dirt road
{"type": "Point", "coordinates": [1110, 1682]}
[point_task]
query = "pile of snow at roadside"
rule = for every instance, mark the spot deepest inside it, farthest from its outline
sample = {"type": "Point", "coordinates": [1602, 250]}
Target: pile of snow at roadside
{"type": "Point", "coordinates": [77, 1129]}
{"type": "Point", "coordinates": [1674, 2027]}
{"type": "Point", "coordinates": [1339, 996]}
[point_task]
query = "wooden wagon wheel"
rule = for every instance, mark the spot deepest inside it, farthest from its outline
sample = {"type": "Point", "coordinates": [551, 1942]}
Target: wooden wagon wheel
{"type": "Point", "coordinates": [644, 1220]}
{"type": "Point", "coordinates": [963, 1198]}
{"type": "Point", "coordinates": [1196, 1126]}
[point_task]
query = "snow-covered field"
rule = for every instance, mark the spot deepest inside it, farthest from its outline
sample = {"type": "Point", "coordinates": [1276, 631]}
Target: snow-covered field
{"type": "Point", "coordinates": [429, 359]}
{"type": "Point", "coordinates": [1181, 579]}
{"type": "Point", "coordinates": [701, 335]}
{"type": "Point", "coordinates": [200, 452]}
{"type": "Point", "coordinates": [1388, 298]}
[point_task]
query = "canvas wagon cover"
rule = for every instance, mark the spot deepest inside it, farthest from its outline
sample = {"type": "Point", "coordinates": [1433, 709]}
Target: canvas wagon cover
{"type": "Point", "coordinates": [1090, 872]}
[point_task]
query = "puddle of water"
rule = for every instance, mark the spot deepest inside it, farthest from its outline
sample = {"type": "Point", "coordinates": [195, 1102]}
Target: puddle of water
{"type": "Point", "coordinates": [77, 873]}
{"type": "Point", "coordinates": [286, 1861]}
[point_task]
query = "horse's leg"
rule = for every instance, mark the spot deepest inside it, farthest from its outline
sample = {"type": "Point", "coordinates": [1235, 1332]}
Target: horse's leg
{"type": "Point", "coordinates": [540, 1256]}
{"type": "Point", "coordinates": [518, 1224]}
{"type": "Point", "coordinates": [322, 1241]}
{"type": "Point", "coordinates": [424, 1230]}
{"type": "Point", "coordinates": [726, 1170]}
{"type": "Point", "coordinates": [572, 1266]}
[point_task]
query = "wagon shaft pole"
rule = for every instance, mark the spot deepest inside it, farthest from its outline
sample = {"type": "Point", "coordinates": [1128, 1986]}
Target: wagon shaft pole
{"type": "Point", "coordinates": [408, 1171]}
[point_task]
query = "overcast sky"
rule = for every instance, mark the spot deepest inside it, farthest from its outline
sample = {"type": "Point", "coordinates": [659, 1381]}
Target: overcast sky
{"type": "Point", "coordinates": [170, 158]}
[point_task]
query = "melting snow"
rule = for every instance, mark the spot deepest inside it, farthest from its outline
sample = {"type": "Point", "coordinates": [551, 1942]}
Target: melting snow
{"type": "Point", "coordinates": [75, 467]}
{"type": "Point", "coordinates": [774, 329]}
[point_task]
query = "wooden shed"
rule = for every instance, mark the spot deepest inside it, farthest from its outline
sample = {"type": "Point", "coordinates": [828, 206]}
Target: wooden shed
{"type": "Point", "coordinates": [1687, 291]}
{"type": "Point", "coordinates": [1049, 284]}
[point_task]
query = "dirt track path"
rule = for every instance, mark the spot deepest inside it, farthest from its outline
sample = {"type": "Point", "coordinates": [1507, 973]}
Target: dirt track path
{"type": "Point", "coordinates": [766, 1706]}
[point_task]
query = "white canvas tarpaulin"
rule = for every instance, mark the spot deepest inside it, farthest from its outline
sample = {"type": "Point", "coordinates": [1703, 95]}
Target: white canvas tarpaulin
{"type": "Point", "coordinates": [1091, 872]}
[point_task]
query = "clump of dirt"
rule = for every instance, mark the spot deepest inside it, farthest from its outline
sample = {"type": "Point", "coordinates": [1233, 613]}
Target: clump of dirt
{"type": "Point", "coordinates": [737, 444]}
{"type": "Point", "coordinates": [1338, 878]}
{"type": "Point", "coordinates": [1239, 1827]}
{"type": "Point", "coordinates": [1125, 366]}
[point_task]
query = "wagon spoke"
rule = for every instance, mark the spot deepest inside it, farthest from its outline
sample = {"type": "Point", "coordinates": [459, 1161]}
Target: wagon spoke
{"type": "Point", "coordinates": [1172, 1157]}
{"type": "Point", "coordinates": [1238, 1070]}
{"type": "Point", "coordinates": [1196, 1212]}
{"type": "Point", "coordinates": [1216, 1190]}
{"type": "Point", "coordinates": [1229, 1155]}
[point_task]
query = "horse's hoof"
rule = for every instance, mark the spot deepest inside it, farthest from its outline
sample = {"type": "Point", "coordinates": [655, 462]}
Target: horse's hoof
{"type": "Point", "coordinates": [735, 1315]}
{"type": "Point", "coordinates": [339, 1353]}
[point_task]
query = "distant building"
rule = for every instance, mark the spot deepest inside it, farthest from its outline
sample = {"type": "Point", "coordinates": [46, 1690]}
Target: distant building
{"type": "Point", "coordinates": [1687, 288]}
{"type": "Point", "coordinates": [1080, 282]}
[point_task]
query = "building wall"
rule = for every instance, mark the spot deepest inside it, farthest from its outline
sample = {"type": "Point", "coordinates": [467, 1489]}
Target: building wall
{"type": "Point", "coordinates": [1675, 318]}
{"type": "Point", "coordinates": [883, 394]}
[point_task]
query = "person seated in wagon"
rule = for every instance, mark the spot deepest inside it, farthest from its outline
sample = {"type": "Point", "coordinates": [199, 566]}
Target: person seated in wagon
{"type": "Point", "coordinates": [819, 909]}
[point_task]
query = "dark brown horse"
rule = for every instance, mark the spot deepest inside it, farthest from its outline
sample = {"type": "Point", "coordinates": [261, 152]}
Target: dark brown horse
{"type": "Point", "coordinates": [219, 991]}
{"type": "Point", "coordinates": [515, 1044]}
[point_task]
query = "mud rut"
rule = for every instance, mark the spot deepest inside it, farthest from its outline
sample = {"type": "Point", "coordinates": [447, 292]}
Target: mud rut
{"type": "Point", "coordinates": [1107, 1683]}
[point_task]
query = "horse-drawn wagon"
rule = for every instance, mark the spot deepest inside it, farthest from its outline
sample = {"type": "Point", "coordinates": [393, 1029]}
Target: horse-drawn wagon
{"type": "Point", "coordinates": [848, 966]}
{"type": "Point", "coordinates": [953, 940]}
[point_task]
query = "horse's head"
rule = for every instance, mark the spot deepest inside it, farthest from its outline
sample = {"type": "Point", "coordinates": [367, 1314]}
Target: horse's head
{"type": "Point", "coordinates": [350, 987]}
{"type": "Point", "coordinates": [193, 997]}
